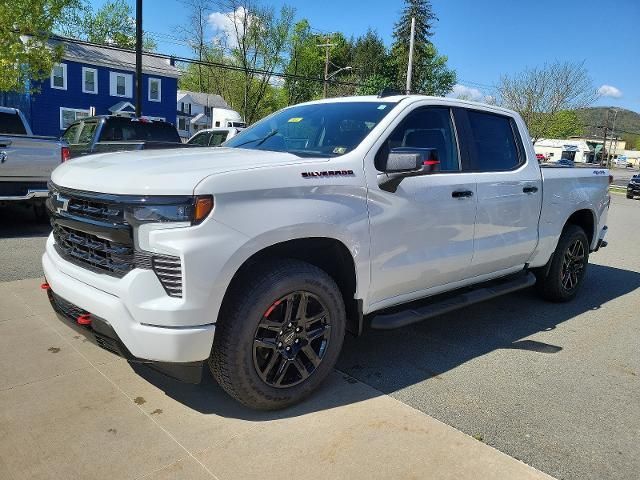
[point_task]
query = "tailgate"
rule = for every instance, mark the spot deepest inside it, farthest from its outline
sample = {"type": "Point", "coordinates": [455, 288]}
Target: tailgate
{"type": "Point", "coordinates": [26, 157]}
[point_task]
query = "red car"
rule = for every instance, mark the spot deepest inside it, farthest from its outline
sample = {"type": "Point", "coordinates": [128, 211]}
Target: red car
{"type": "Point", "coordinates": [540, 157]}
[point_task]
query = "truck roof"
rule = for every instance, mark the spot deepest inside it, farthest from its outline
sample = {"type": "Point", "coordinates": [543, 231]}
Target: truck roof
{"type": "Point", "coordinates": [414, 98]}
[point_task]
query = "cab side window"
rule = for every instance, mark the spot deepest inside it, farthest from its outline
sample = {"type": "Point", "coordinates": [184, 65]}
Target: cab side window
{"type": "Point", "coordinates": [217, 138]}
{"type": "Point", "coordinates": [200, 139]}
{"type": "Point", "coordinates": [492, 142]}
{"type": "Point", "coordinates": [427, 128]}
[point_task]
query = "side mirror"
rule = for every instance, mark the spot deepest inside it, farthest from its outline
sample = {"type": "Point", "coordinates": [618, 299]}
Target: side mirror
{"type": "Point", "coordinates": [407, 162]}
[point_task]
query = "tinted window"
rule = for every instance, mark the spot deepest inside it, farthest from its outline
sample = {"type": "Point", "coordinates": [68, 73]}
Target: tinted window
{"type": "Point", "coordinates": [200, 139]}
{"type": "Point", "coordinates": [86, 134]}
{"type": "Point", "coordinates": [125, 129]}
{"type": "Point", "coordinates": [492, 144]}
{"type": "Point", "coordinates": [427, 128]}
{"type": "Point", "coordinates": [321, 129]}
{"type": "Point", "coordinates": [71, 134]}
{"type": "Point", "coordinates": [217, 138]}
{"type": "Point", "coordinates": [11, 124]}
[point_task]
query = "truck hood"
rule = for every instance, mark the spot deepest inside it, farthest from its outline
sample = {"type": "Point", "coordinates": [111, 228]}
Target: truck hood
{"type": "Point", "coordinates": [163, 172]}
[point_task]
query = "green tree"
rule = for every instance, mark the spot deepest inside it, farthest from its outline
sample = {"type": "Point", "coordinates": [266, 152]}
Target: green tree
{"type": "Point", "coordinates": [258, 41]}
{"type": "Point", "coordinates": [373, 85]}
{"type": "Point", "coordinates": [112, 24]}
{"type": "Point", "coordinates": [538, 94]}
{"type": "Point", "coordinates": [305, 60]}
{"type": "Point", "coordinates": [369, 56]}
{"type": "Point", "coordinates": [564, 124]}
{"type": "Point", "coordinates": [25, 27]}
{"type": "Point", "coordinates": [430, 75]}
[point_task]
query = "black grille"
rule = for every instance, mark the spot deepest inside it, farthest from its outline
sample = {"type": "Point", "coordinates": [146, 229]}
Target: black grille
{"type": "Point", "coordinates": [169, 272]}
{"type": "Point", "coordinates": [92, 232]}
{"type": "Point", "coordinates": [92, 251]}
{"type": "Point", "coordinates": [96, 210]}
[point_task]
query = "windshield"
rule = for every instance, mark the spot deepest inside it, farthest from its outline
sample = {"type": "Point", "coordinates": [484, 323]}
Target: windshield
{"type": "Point", "coordinates": [323, 129]}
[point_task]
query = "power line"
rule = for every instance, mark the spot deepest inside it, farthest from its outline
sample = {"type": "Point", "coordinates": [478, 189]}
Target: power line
{"type": "Point", "coordinates": [176, 58]}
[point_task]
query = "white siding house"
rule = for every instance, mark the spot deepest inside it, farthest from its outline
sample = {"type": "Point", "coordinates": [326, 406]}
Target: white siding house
{"type": "Point", "coordinates": [194, 111]}
{"type": "Point", "coordinates": [554, 149]}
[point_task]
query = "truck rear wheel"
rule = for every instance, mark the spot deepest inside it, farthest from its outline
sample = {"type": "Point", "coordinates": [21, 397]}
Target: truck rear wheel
{"type": "Point", "coordinates": [564, 276]}
{"type": "Point", "coordinates": [278, 335]}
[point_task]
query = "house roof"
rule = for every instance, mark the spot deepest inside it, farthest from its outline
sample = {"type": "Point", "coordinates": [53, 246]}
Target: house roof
{"type": "Point", "coordinates": [206, 99]}
{"type": "Point", "coordinates": [120, 58]}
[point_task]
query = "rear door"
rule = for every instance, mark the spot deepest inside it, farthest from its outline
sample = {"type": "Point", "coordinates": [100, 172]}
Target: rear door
{"type": "Point", "coordinates": [509, 191]}
{"type": "Point", "coordinates": [421, 234]}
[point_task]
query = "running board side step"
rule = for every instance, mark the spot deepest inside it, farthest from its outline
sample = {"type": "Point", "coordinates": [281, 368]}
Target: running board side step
{"type": "Point", "coordinates": [466, 297]}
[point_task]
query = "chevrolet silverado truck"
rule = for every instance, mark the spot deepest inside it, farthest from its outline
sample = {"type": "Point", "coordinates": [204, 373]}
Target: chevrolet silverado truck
{"type": "Point", "coordinates": [26, 161]}
{"type": "Point", "coordinates": [323, 218]}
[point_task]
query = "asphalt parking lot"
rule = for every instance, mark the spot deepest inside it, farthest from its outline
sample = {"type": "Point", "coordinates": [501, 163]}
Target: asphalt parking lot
{"type": "Point", "coordinates": [555, 386]}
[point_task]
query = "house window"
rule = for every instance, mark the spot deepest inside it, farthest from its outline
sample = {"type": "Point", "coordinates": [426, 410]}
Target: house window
{"type": "Point", "coordinates": [89, 80]}
{"type": "Point", "coordinates": [59, 76]}
{"type": "Point", "coordinates": [121, 84]}
{"type": "Point", "coordinates": [155, 91]}
{"type": "Point", "coordinates": [70, 115]}
{"type": "Point", "coordinates": [185, 107]}
{"type": "Point", "coordinates": [182, 123]}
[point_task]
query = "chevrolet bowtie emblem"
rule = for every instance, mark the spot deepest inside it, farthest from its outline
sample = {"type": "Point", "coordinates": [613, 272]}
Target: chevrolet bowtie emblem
{"type": "Point", "coordinates": [59, 203]}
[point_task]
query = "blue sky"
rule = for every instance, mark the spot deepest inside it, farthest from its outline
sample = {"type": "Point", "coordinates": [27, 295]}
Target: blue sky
{"type": "Point", "coordinates": [483, 39]}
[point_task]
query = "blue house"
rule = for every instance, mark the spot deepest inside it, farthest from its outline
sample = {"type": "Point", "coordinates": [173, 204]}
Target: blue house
{"type": "Point", "coordinates": [95, 80]}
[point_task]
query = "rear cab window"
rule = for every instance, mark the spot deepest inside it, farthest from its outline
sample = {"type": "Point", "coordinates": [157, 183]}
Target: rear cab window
{"type": "Point", "coordinates": [126, 129]}
{"type": "Point", "coordinates": [11, 124]}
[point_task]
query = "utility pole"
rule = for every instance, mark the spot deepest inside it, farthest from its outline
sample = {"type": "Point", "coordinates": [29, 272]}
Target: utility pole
{"type": "Point", "coordinates": [327, 46]}
{"type": "Point", "coordinates": [604, 139]}
{"type": "Point", "coordinates": [410, 64]}
{"type": "Point", "coordinates": [613, 134]}
{"type": "Point", "coordinates": [138, 58]}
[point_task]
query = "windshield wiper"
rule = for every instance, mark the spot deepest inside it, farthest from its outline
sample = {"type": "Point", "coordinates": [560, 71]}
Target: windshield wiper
{"type": "Point", "coordinates": [259, 140]}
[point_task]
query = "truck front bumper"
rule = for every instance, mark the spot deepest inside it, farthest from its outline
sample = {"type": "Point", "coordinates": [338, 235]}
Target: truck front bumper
{"type": "Point", "coordinates": [163, 330]}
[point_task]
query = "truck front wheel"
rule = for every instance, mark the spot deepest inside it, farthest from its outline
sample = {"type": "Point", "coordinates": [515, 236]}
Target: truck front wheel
{"type": "Point", "coordinates": [279, 334]}
{"type": "Point", "coordinates": [560, 281]}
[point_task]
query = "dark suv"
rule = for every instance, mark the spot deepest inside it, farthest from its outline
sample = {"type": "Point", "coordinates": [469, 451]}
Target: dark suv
{"type": "Point", "coordinates": [633, 189]}
{"type": "Point", "coordinates": [108, 133]}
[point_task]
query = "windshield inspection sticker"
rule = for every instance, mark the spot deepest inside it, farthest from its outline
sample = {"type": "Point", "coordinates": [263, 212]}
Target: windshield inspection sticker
{"type": "Point", "coordinates": [381, 107]}
{"type": "Point", "coordinates": [295, 119]}
{"type": "Point", "coordinates": [340, 150]}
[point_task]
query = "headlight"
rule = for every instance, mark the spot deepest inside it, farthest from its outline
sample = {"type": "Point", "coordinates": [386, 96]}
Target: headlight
{"type": "Point", "coordinates": [194, 210]}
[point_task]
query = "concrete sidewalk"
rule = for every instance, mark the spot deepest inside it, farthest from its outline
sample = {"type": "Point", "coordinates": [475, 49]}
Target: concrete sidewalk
{"type": "Point", "coordinates": [69, 409]}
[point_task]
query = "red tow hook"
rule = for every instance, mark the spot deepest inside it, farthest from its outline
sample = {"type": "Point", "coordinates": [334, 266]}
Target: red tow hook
{"type": "Point", "coordinates": [45, 286]}
{"type": "Point", "coordinates": [84, 319]}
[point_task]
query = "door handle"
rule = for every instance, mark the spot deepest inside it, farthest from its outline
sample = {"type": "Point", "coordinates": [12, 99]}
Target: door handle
{"type": "Point", "coordinates": [5, 143]}
{"type": "Point", "coordinates": [529, 189]}
{"type": "Point", "coordinates": [462, 194]}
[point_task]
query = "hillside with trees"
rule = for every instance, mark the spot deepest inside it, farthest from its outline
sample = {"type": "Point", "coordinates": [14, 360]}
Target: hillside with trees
{"type": "Point", "coordinates": [627, 123]}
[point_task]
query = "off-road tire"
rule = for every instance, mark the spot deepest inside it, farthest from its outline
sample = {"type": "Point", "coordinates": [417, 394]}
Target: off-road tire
{"type": "Point", "coordinates": [232, 356]}
{"type": "Point", "coordinates": [549, 282]}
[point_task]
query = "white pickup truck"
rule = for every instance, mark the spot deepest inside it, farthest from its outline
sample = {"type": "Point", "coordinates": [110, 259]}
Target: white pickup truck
{"type": "Point", "coordinates": [321, 218]}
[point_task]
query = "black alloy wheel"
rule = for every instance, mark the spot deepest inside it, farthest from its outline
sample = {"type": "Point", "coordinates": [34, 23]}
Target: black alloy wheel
{"type": "Point", "coordinates": [291, 339]}
{"type": "Point", "coordinates": [573, 264]}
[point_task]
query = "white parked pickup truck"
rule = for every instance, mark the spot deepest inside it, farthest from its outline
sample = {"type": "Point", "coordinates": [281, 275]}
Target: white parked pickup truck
{"type": "Point", "coordinates": [322, 218]}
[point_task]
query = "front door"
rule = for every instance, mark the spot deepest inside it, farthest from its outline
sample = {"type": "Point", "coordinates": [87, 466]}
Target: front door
{"type": "Point", "coordinates": [421, 234]}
